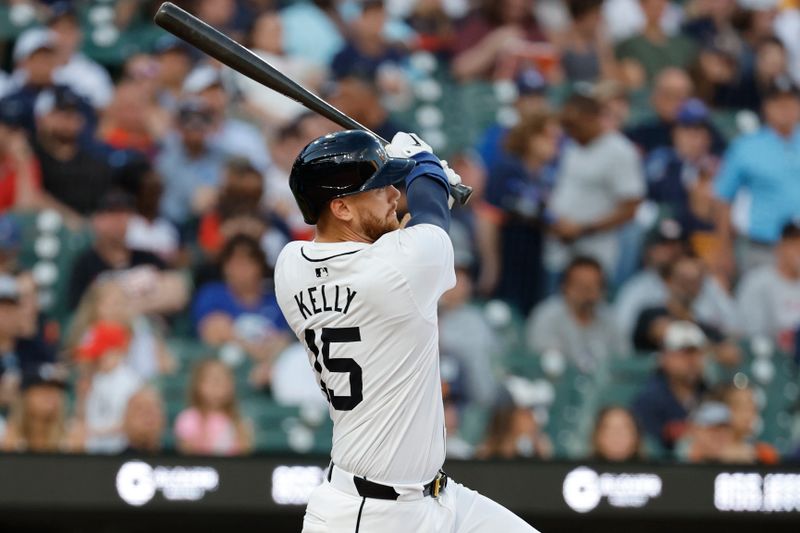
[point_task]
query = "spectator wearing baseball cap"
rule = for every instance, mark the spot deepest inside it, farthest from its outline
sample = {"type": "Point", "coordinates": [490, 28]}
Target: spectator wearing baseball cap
{"type": "Point", "coordinates": [104, 350]}
{"type": "Point", "coordinates": [709, 436]}
{"type": "Point", "coordinates": [664, 404]}
{"type": "Point", "coordinates": [38, 422]}
{"type": "Point", "coordinates": [190, 164]}
{"type": "Point", "coordinates": [762, 165]}
{"type": "Point", "coordinates": [230, 135]}
{"type": "Point", "coordinates": [77, 71]}
{"type": "Point", "coordinates": [35, 63]}
{"type": "Point", "coordinates": [74, 174]}
{"type": "Point", "coordinates": [679, 177]}
{"type": "Point", "coordinates": [769, 296]}
{"type": "Point", "coordinates": [671, 89]}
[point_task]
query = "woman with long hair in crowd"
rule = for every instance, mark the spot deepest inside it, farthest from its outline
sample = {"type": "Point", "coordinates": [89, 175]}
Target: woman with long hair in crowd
{"type": "Point", "coordinates": [212, 424]}
{"type": "Point", "coordinates": [616, 436]}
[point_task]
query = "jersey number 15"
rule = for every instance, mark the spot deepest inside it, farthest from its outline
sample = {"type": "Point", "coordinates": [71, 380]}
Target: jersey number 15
{"type": "Point", "coordinates": [340, 364]}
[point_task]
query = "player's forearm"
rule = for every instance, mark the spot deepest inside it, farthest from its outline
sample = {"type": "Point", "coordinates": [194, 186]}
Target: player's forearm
{"type": "Point", "coordinates": [428, 191]}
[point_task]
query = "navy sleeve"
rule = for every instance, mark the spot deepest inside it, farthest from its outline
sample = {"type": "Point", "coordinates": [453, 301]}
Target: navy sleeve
{"type": "Point", "coordinates": [428, 191]}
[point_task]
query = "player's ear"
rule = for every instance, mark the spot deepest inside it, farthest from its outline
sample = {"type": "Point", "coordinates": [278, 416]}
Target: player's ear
{"type": "Point", "coordinates": [341, 209]}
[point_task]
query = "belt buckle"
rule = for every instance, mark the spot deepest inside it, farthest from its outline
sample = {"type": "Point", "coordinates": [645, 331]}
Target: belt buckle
{"type": "Point", "coordinates": [437, 484]}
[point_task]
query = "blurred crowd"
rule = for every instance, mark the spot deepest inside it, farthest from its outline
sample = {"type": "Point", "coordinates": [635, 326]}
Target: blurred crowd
{"type": "Point", "coordinates": [636, 205]}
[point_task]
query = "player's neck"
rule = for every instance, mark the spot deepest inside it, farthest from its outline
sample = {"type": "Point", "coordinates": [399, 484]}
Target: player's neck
{"type": "Point", "coordinates": [339, 233]}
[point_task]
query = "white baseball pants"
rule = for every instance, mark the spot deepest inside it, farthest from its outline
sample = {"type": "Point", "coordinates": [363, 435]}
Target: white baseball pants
{"type": "Point", "coordinates": [338, 508]}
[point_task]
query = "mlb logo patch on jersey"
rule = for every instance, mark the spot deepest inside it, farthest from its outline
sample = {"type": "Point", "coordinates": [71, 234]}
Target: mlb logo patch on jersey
{"type": "Point", "coordinates": [322, 272]}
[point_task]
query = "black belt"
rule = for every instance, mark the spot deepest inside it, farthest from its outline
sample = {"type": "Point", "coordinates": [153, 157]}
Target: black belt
{"type": "Point", "coordinates": [370, 489]}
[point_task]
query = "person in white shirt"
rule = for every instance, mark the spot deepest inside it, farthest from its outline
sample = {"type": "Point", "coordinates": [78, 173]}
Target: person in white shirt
{"type": "Point", "coordinates": [113, 382]}
{"type": "Point", "coordinates": [362, 297]}
{"type": "Point", "coordinates": [80, 73]}
{"type": "Point", "coordinates": [769, 296]}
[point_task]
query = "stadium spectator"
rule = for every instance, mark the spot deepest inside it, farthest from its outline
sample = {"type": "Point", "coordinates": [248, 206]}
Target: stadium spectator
{"type": "Point", "coordinates": [744, 423]}
{"type": "Point", "coordinates": [108, 301]}
{"type": "Point", "coordinates": [367, 54]}
{"type": "Point", "coordinates": [75, 70]}
{"type": "Point", "coordinates": [511, 220]}
{"type": "Point", "coordinates": [747, 92]}
{"type": "Point", "coordinates": [147, 230]}
{"type": "Point", "coordinates": [266, 41]}
{"type": "Point", "coordinates": [769, 296]}
{"type": "Point", "coordinates": [241, 310]}
{"type": "Point", "coordinates": [492, 40]}
{"type": "Point", "coordinates": [20, 179]}
{"type": "Point", "coordinates": [239, 209]}
{"type": "Point", "coordinates": [616, 436]}
{"type": "Point", "coordinates": [212, 424]}
{"type": "Point", "coordinates": [34, 64]}
{"type": "Point", "coordinates": [644, 55]}
{"type": "Point", "coordinates": [679, 176]}
{"type": "Point", "coordinates": [711, 24]}
{"type": "Point", "coordinates": [586, 51]}
{"type": "Point", "coordinates": [313, 30]}
{"type": "Point", "coordinates": [597, 190]}
{"type": "Point", "coordinates": [757, 163]}
{"type": "Point", "coordinates": [109, 250]}
{"type": "Point", "coordinates": [685, 282]}
{"type": "Point", "coordinates": [234, 137]}
{"type": "Point", "coordinates": [577, 323]}
{"type": "Point", "coordinates": [173, 62]}
{"type": "Point", "coordinates": [145, 422]}
{"type": "Point", "coordinates": [671, 90]}
{"type": "Point", "coordinates": [531, 99]}
{"type": "Point", "coordinates": [278, 197]}
{"type": "Point", "coordinates": [104, 351]}
{"type": "Point", "coordinates": [709, 437]}
{"type": "Point", "coordinates": [75, 174]}
{"type": "Point", "coordinates": [21, 346]}
{"type": "Point", "coordinates": [130, 121]}
{"type": "Point", "coordinates": [514, 432]}
{"type": "Point", "coordinates": [360, 99]}
{"type": "Point", "coordinates": [666, 400]}
{"type": "Point", "coordinates": [465, 334]}
{"type": "Point", "coordinates": [38, 421]}
{"type": "Point", "coordinates": [190, 164]}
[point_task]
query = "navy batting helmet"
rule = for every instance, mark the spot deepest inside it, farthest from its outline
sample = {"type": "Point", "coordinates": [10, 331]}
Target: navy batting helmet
{"type": "Point", "coordinates": [341, 164]}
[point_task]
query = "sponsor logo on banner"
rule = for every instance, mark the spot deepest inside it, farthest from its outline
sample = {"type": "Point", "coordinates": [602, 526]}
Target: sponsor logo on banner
{"type": "Point", "coordinates": [138, 482]}
{"type": "Point", "coordinates": [756, 493]}
{"type": "Point", "coordinates": [584, 489]}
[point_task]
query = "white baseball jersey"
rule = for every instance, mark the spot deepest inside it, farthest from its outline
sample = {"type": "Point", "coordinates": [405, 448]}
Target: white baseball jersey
{"type": "Point", "coordinates": [366, 314]}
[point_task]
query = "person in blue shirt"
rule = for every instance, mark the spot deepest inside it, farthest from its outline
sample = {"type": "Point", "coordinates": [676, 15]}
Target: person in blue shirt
{"type": "Point", "coordinates": [511, 219]}
{"type": "Point", "coordinates": [765, 165]}
{"type": "Point", "coordinates": [367, 51]}
{"type": "Point", "coordinates": [679, 176]}
{"type": "Point", "coordinates": [242, 310]}
{"type": "Point", "coordinates": [663, 405]}
{"type": "Point", "coordinates": [531, 98]}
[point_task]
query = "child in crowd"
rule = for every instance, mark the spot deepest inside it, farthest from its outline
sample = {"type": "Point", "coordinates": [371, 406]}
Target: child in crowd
{"type": "Point", "coordinates": [212, 425]}
{"type": "Point", "coordinates": [104, 349]}
{"type": "Point", "coordinates": [107, 300]}
{"type": "Point", "coordinates": [616, 436]}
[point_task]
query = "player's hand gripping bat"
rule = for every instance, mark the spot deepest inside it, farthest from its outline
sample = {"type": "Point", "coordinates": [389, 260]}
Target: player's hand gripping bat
{"type": "Point", "coordinates": [227, 51]}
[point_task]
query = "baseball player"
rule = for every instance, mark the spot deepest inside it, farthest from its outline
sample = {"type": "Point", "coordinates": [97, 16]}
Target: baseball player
{"type": "Point", "coordinates": [362, 298]}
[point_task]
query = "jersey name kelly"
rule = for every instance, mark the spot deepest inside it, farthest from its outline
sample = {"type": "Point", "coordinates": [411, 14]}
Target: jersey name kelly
{"type": "Point", "coordinates": [314, 300]}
